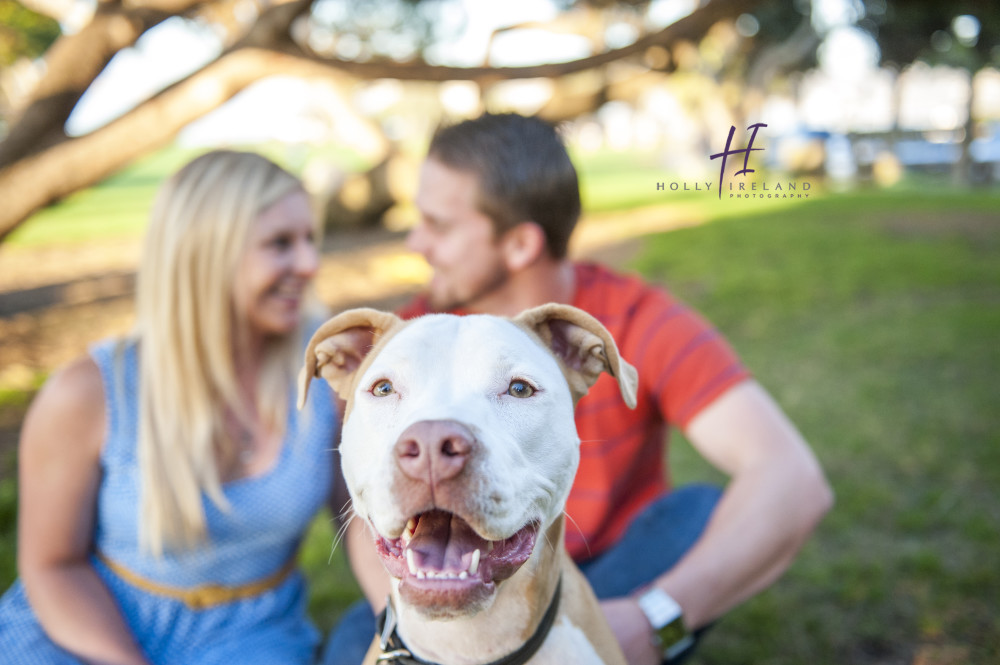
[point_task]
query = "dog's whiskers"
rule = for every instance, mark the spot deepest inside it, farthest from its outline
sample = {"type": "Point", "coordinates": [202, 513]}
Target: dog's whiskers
{"type": "Point", "coordinates": [345, 517]}
{"type": "Point", "coordinates": [577, 527]}
{"type": "Point", "coordinates": [339, 537]}
{"type": "Point", "coordinates": [346, 509]}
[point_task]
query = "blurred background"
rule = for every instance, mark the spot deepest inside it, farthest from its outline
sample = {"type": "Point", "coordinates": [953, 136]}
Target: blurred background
{"type": "Point", "coordinates": [860, 281]}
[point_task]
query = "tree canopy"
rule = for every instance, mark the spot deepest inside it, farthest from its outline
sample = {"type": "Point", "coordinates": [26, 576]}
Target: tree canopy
{"type": "Point", "coordinates": [344, 40]}
{"type": "Point", "coordinates": [963, 33]}
{"type": "Point", "coordinates": [24, 33]}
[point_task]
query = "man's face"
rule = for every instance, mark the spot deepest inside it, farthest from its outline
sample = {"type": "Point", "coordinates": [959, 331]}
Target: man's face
{"type": "Point", "coordinates": [456, 239]}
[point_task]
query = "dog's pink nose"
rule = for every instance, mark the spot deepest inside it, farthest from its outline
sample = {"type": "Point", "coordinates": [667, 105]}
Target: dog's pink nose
{"type": "Point", "coordinates": [432, 451]}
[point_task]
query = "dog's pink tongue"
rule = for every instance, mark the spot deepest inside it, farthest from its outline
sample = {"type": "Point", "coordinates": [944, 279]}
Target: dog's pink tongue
{"type": "Point", "coordinates": [444, 542]}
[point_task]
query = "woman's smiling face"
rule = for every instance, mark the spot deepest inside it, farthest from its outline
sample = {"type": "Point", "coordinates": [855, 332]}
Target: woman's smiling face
{"type": "Point", "coordinates": [277, 266]}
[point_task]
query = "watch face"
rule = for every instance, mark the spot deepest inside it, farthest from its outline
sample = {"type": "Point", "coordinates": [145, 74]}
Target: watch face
{"type": "Point", "coordinates": [663, 611]}
{"type": "Point", "coordinates": [674, 638]}
{"type": "Point", "coordinates": [672, 633]}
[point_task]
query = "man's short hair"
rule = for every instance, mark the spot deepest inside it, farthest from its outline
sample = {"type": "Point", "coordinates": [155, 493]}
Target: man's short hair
{"type": "Point", "coordinates": [523, 169]}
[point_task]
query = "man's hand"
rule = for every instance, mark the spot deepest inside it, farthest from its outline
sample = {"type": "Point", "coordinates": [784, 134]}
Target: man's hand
{"type": "Point", "coordinates": [630, 626]}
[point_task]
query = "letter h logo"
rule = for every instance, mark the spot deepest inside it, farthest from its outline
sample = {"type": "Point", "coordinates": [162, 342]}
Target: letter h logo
{"type": "Point", "coordinates": [746, 157]}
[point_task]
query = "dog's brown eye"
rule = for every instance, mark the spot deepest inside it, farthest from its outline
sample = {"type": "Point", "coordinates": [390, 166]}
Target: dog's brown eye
{"type": "Point", "coordinates": [520, 388]}
{"type": "Point", "coordinates": [383, 388]}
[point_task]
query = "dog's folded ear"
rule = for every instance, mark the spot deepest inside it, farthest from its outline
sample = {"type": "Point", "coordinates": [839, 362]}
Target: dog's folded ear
{"type": "Point", "coordinates": [339, 346]}
{"type": "Point", "coordinates": [584, 346]}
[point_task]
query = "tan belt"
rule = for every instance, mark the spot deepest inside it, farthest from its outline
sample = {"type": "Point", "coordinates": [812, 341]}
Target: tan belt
{"type": "Point", "coordinates": [202, 597]}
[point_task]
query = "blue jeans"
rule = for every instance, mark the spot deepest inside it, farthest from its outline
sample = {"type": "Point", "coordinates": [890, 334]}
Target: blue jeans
{"type": "Point", "coordinates": [656, 540]}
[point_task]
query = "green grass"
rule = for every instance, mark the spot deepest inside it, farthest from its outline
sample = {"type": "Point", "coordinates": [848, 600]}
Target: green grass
{"type": "Point", "coordinates": [874, 319]}
{"type": "Point", "coordinates": [614, 181]}
{"type": "Point", "coordinates": [119, 206]}
{"type": "Point", "coordinates": [8, 517]}
{"type": "Point", "coordinates": [331, 584]}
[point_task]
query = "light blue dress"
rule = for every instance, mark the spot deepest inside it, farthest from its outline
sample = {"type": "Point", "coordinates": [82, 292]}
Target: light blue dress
{"type": "Point", "coordinates": [268, 517]}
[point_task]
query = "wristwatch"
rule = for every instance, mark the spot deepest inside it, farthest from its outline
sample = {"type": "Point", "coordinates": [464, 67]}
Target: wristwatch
{"type": "Point", "coordinates": [666, 618]}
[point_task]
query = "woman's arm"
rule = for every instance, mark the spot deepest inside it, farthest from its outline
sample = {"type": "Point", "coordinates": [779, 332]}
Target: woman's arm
{"type": "Point", "coordinates": [59, 476]}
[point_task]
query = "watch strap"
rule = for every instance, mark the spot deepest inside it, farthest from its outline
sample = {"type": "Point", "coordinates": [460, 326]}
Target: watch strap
{"type": "Point", "coordinates": [666, 617]}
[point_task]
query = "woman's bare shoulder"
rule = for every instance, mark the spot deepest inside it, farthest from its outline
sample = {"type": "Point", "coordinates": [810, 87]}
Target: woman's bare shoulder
{"type": "Point", "coordinates": [68, 415]}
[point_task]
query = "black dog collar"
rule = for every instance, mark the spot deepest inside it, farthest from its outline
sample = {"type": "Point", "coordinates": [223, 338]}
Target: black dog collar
{"type": "Point", "coordinates": [395, 652]}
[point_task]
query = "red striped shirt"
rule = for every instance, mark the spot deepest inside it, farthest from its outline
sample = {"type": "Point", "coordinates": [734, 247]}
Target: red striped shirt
{"type": "Point", "coordinates": [683, 364]}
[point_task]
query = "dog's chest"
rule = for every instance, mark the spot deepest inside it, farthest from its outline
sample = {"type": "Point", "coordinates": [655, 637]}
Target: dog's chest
{"type": "Point", "coordinates": [566, 643]}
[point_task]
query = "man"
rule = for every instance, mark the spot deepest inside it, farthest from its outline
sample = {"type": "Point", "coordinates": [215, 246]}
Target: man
{"type": "Point", "coordinates": [498, 200]}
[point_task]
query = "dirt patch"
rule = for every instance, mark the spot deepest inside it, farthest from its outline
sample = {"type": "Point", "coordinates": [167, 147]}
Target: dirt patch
{"type": "Point", "coordinates": [33, 267]}
{"type": "Point", "coordinates": [981, 229]}
{"type": "Point", "coordinates": [942, 654]}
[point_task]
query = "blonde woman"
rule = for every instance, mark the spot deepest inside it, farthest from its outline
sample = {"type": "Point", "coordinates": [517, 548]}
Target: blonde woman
{"type": "Point", "coordinates": [166, 479]}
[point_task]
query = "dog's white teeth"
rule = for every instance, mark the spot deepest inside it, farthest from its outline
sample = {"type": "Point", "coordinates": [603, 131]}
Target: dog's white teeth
{"type": "Point", "coordinates": [411, 564]}
{"type": "Point", "coordinates": [489, 546]}
{"type": "Point", "coordinates": [442, 575]}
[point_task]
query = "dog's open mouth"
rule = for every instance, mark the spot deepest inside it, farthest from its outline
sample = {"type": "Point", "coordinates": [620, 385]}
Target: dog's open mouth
{"type": "Point", "coordinates": [440, 559]}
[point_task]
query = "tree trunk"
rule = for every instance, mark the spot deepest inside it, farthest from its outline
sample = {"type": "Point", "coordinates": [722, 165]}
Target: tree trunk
{"type": "Point", "coordinates": [962, 172]}
{"type": "Point", "coordinates": [71, 65]}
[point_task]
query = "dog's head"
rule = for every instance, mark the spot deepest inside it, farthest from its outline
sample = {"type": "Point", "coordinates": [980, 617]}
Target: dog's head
{"type": "Point", "coordinates": [459, 444]}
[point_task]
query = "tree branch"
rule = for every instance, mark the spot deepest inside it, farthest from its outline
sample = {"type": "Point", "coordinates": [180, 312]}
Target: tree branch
{"type": "Point", "coordinates": [691, 27]}
{"type": "Point", "coordinates": [71, 65]}
{"type": "Point", "coordinates": [775, 59]}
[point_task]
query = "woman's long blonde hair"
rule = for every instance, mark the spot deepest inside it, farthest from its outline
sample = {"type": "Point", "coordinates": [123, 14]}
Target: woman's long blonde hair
{"type": "Point", "coordinates": [186, 330]}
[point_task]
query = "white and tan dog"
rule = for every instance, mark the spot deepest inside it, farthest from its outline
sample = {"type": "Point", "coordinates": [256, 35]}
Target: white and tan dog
{"type": "Point", "coordinates": [459, 449]}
